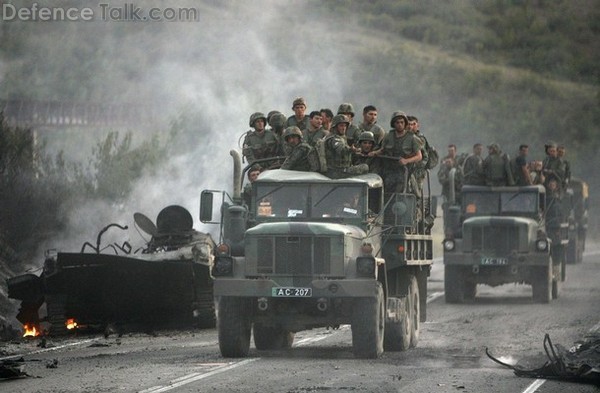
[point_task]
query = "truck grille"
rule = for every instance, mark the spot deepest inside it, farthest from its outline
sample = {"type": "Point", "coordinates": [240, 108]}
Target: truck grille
{"type": "Point", "coordinates": [295, 255]}
{"type": "Point", "coordinates": [496, 240]}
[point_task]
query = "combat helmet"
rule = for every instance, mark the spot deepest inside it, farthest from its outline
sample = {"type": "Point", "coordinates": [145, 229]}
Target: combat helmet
{"type": "Point", "coordinates": [346, 107]}
{"type": "Point", "coordinates": [366, 136]}
{"type": "Point", "coordinates": [396, 115]}
{"type": "Point", "coordinates": [255, 116]}
{"type": "Point", "coordinates": [338, 119]}
{"type": "Point", "coordinates": [277, 120]}
{"type": "Point", "coordinates": [291, 131]}
{"type": "Point", "coordinates": [270, 114]}
{"type": "Point", "coordinates": [298, 101]}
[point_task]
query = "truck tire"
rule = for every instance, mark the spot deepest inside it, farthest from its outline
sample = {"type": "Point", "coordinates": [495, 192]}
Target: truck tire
{"type": "Point", "coordinates": [397, 332]}
{"type": "Point", "coordinates": [267, 337]}
{"type": "Point", "coordinates": [368, 325]}
{"type": "Point", "coordinates": [414, 305]}
{"type": "Point", "coordinates": [542, 284]}
{"type": "Point", "coordinates": [454, 288]}
{"type": "Point", "coordinates": [233, 325]}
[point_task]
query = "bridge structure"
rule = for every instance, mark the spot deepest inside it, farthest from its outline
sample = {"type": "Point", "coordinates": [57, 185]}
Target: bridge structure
{"type": "Point", "coordinates": [37, 114]}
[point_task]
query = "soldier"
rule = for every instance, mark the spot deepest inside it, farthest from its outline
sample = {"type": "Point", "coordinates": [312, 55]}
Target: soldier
{"type": "Point", "coordinates": [253, 173]}
{"type": "Point", "coordinates": [473, 167]}
{"type": "Point", "coordinates": [561, 151]}
{"type": "Point", "coordinates": [496, 167]}
{"type": "Point", "coordinates": [451, 154]}
{"type": "Point", "coordinates": [327, 116]}
{"type": "Point", "coordinates": [299, 119]}
{"type": "Point", "coordinates": [338, 153]}
{"type": "Point", "coordinates": [448, 163]}
{"type": "Point", "coordinates": [315, 129]}
{"type": "Point", "coordinates": [366, 153]}
{"type": "Point", "coordinates": [369, 123]}
{"type": "Point", "coordinates": [552, 166]}
{"type": "Point", "coordinates": [519, 168]}
{"type": "Point", "coordinates": [297, 160]}
{"type": "Point", "coordinates": [260, 143]}
{"type": "Point", "coordinates": [405, 146]}
{"type": "Point", "coordinates": [420, 168]}
{"type": "Point", "coordinates": [353, 132]}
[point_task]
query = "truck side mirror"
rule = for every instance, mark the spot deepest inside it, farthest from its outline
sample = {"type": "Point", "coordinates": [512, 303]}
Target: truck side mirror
{"type": "Point", "coordinates": [206, 206]}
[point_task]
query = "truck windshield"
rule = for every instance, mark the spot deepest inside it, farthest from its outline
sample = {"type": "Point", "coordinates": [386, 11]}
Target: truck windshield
{"type": "Point", "coordinates": [309, 201]}
{"type": "Point", "coordinates": [490, 203]}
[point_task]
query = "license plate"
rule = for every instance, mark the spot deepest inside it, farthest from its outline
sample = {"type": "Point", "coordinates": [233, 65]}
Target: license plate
{"type": "Point", "coordinates": [291, 292]}
{"type": "Point", "coordinates": [494, 261]}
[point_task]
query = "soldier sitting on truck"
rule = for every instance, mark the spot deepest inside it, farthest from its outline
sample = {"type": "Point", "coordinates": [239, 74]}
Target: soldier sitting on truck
{"type": "Point", "coordinates": [260, 143]}
{"type": "Point", "coordinates": [297, 159]}
{"type": "Point", "coordinates": [338, 153]}
{"type": "Point", "coordinates": [366, 153]}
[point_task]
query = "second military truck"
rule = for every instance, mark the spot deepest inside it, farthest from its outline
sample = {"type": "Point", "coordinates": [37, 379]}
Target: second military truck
{"type": "Point", "coordinates": [314, 252]}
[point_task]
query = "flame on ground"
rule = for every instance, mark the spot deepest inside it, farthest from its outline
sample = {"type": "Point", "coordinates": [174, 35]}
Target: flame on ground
{"type": "Point", "coordinates": [30, 330]}
{"type": "Point", "coordinates": [71, 323]}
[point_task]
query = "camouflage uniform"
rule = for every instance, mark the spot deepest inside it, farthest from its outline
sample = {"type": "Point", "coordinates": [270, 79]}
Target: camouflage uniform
{"type": "Point", "coordinates": [258, 145]}
{"type": "Point", "coordinates": [374, 162]}
{"type": "Point", "coordinates": [297, 160]}
{"type": "Point", "coordinates": [302, 124]}
{"type": "Point", "coordinates": [420, 168]}
{"type": "Point", "coordinates": [339, 154]}
{"type": "Point", "coordinates": [376, 129]}
{"type": "Point", "coordinates": [473, 171]}
{"type": "Point", "coordinates": [554, 168]}
{"type": "Point", "coordinates": [353, 132]}
{"type": "Point", "coordinates": [311, 137]}
{"type": "Point", "coordinates": [443, 176]}
{"type": "Point", "coordinates": [404, 146]}
{"type": "Point", "coordinates": [496, 168]}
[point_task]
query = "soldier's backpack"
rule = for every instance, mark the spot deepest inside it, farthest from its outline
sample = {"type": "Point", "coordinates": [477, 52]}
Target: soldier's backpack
{"type": "Point", "coordinates": [434, 157]}
{"type": "Point", "coordinates": [316, 157]}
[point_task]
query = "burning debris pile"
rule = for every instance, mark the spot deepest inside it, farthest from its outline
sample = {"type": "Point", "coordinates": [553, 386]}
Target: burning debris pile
{"type": "Point", "coordinates": [166, 284]}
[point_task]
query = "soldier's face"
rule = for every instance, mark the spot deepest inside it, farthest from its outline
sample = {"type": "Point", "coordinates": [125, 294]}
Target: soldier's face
{"type": "Point", "coordinates": [253, 175]}
{"type": "Point", "coordinates": [400, 124]}
{"type": "Point", "coordinates": [413, 125]}
{"type": "Point", "coordinates": [371, 117]}
{"type": "Point", "coordinates": [293, 140]}
{"type": "Point", "coordinates": [366, 146]}
{"type": "Point", "coordinates": [341, 128]}
{"type": "Point", "coordinates": [259, 125]}
{"type": "Point", "coordinates": [316, 121]}
{"type": "Point", "coordinates": [299, 110]}
{"type": "Point", "coordinates": [552, 152]}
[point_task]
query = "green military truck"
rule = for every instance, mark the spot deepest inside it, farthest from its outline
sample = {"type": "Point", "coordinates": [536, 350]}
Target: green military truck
{"type": "Point", "coordinates": [500, 235]}
{"type": "Point", "coordinates": [314, 252]}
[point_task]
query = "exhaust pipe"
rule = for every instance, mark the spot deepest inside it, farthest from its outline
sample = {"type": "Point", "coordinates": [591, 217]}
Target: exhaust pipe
{"type": "Point", "coordinates": [263, 304]}
{"type": "Point", "coordinates": [322, 304]}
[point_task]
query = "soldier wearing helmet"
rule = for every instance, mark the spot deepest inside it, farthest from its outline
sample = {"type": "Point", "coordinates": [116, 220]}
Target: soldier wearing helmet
{"type": "Point", "coordinates": [260, 143]}
{"type": "Point", "coordinates": [299, 119]}
{"type": "Point", "coordinates": [353, 132]}
{"type": "Point", "coordinates": [366, 152]}
{"type": "Point", "coordinates": [338, 153]}
{"type": "Point", "coordinates": [315, 130]}
{"type": "Point", "coordinates": [405, 148]}
{"type": "Point", "coordinates": [297, 159]}
{"type": "Point", "coordinates": [369, 123]}
{"type": "Point", "coordinates": [496, 167]}
{"type": "Point", "coordinates": [553, 166]}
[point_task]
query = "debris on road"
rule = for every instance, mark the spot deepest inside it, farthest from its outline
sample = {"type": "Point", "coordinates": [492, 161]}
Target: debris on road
{"type": "Point", "coordinates": [11, 369]}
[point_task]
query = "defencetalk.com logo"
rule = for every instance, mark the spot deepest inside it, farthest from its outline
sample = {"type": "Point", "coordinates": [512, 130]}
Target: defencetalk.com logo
{"type": "Point", "coordinates": [128, 12]}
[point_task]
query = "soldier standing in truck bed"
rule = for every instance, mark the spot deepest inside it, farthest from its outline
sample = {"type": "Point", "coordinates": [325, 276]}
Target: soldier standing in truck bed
{"type": "Point", "coordinates": [260, 143]}
{"type": "Point", "coordinates": [299, 118]}
{"type": "Point", "coordinates": [406, 148]}
{"type": "Point", "coordinates": [297, 159]}
{"type": "Point", "coordinates": [496, 167]}
{"type": "Point", "coordinates": [366, 153]}
{"type": "Point", "coordinates": [315, 130]}
{"type": "Point", "coordinates": [369, 123]}
{"type": "Point", "coordinates": [353, 132]}
{"type": "Point", "coordinates": [519, 167]}
{"type": "Point", "coordinates": [552, 166]}
{"type": "Point", "coordinates": [338, 153]}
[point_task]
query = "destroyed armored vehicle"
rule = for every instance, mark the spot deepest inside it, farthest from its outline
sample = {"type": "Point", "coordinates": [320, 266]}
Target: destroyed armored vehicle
{"type": "Point", "coordinates": [167, 283]}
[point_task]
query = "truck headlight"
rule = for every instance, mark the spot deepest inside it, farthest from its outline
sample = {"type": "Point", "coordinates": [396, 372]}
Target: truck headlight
{"type": "Point", "coordinates": [365, 266]}
{"type": "Point", "coordinates": [448, 244]}
{"type": "Point", "coordinates": [223, 266]}
{"type": "Point", "coordinates": [541, 244]}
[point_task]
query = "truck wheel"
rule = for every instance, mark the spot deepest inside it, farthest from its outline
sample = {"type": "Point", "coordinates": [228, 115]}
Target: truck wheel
{"type": "Point", "coordinates": [368, 321]}
{"type": "Point", "coordinates": [542, 284]}
{"type": "Point", "coordinates": [415, 311]}
{"type": "Point", "coordinates": [454, 284]}
{"type": "Point", "coordinates": [397, 332]}
{"type": "Point", "coordinates": [233, 325]}
{"type": "Point", "coordinates": [267, 337]}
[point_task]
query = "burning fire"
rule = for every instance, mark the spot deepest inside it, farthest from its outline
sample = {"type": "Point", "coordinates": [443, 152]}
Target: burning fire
{"type": "Point", "coordinates": [30, 330]}
{"type": "Point", "coordinates": [71, 323]}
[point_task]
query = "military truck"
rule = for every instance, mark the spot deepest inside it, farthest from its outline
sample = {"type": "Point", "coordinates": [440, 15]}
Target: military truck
{"type": "Point", "coordinates": [500, 235]}
{"type": "Point", "coordinates": [311, 252]}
